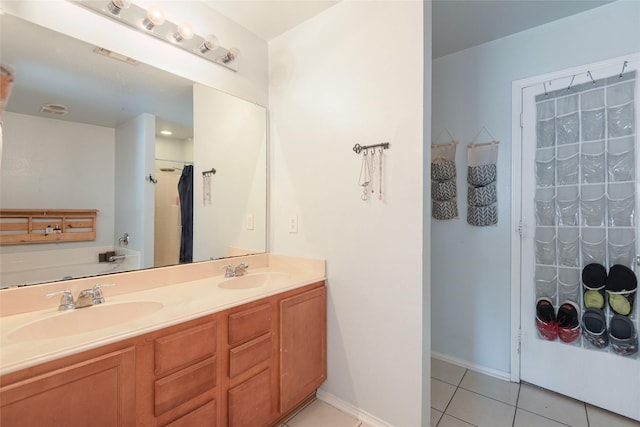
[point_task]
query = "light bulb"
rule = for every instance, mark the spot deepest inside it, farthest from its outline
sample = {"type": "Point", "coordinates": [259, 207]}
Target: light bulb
{"type": "Point", "coordinates": [185, 32]}
{"type": "Point", "coordinates": [232, 55]}
{"type": "Point", "coordinates": [116, 6]}
{"type": "Point", "coordinates": [210, 43]}
{"type": "Point", "coordinates": [155, 16]}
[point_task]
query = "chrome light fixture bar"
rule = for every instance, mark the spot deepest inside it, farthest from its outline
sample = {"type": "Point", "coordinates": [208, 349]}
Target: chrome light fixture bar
{"type": "Point", "coordinates": [154, 23]}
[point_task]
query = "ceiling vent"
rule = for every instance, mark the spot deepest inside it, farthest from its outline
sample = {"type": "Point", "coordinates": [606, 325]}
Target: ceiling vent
{"type": "Point", "coordinates": [114, 55]}
{"type": "Point", "coordinates": [55, 109]}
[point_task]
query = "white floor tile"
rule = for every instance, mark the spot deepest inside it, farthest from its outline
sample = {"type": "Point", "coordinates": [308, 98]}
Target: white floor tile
{"type": "Point", "coordinates": [529, 419]}
{"type": "Point", "coordinates": [435, 417]}
{"type": "Point", "coordinates": [441, 394]}
{"type": "Point", "coordinates": [552, 405]}
{"type": "Point", "coordinates": [495, 388]}
{"type": "Point", "coordinates": [601, 418]}
{"type": "Point", "coordinates": [446, 372]}
{"type": "Point", "coordinates": [449, 421]}
{"type": "Point", "coordinates": [479, 410]}
{"type": "Point", "coordinates": [321, 414]}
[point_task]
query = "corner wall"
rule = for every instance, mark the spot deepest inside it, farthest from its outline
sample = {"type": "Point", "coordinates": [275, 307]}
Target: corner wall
{"type": "Point", "coordinates": [354, 74]}
{"type": "Point", "coordinates": [471, 273]}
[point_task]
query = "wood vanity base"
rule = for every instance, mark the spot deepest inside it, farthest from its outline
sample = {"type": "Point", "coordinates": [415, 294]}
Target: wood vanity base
{"type": "Point", "coordinates": [250, 366]}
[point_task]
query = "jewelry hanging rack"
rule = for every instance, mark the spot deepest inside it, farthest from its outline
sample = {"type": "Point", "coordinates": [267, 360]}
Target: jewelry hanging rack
{"type": "Point", "coordinates": [210, 172]}
{"type": "Point", "coordinates": [493, 141]}
{"type": "Point", "coordinates": [358, 148]}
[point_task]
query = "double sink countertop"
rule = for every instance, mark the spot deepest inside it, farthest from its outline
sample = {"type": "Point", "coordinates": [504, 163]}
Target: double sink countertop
{"type": "Point", "coordinates": [33, 331]}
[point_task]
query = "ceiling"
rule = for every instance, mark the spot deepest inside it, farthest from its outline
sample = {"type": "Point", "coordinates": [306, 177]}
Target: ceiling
{"type": "Point", "coordinates": [457, 24]}
{"type": "Point", "coordinates": [48, 64]}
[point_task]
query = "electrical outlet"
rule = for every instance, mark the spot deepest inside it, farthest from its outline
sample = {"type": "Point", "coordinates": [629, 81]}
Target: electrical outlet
{"type": "Point", "coordinates": [250, 222]}
{"type": "Point", "coordinates": [293, 224]}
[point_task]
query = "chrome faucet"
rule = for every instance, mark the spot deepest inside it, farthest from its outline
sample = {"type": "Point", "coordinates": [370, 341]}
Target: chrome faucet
{"type": "Point", "coordinates": [228, 270]}
{"type": "Point", "coordinates": [86, 298]}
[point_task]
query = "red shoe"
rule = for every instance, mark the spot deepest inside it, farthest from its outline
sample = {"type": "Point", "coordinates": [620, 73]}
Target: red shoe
{"type": "Point", "coordinates": [569, 321]}
{"type": "Point", "coordinates": [546, 319]}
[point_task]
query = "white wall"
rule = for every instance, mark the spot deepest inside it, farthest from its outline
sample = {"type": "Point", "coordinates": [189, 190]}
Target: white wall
{"type": "Point", "coordinates": [44, 172]}
{"type": "Point", "coordinates": [470, 273]}
{"type": "Point", "coordinates": [354, 74]}
{"type": "Point", "coordinates": [134, 153]}
{"type": "Point", "coordinates": [250, 82]}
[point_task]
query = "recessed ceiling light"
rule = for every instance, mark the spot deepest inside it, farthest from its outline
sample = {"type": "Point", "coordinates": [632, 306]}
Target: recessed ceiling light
{"type": "Point", "coordinates": [166, 132]}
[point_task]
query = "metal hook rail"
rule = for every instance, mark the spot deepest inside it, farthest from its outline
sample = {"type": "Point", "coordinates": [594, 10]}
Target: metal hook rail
{"type": "Point", "coordinates": [358, 148]}
{"type": "Point", "coordinates": [210, 172]}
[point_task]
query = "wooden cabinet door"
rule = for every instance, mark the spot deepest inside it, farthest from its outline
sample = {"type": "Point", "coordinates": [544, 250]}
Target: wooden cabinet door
{"type": "Point", "coordinates": [96, 392]}
{"type": "Point", "coordinates": [250, 402]}
{"type": "Point", "coordinates": [303, 347]}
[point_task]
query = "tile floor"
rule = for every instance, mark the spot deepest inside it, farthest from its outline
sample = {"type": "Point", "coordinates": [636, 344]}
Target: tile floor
{"type": "Point", "coordinates": [464, 398]}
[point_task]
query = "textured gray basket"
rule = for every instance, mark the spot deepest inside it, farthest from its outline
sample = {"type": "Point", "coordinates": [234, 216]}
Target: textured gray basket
{"type": "Point", "coordinates": [482, 196]}
{"type": "Point", "coordinates": [481, 175]}
{"type": "Point", "coordinates": [443, 170]}
{"type": "Point", "coordinates": [482, 216]}
{"type": "Point", "coordinates": [445, 190]}
{"type": "Point", "coordinates": [442, 210]}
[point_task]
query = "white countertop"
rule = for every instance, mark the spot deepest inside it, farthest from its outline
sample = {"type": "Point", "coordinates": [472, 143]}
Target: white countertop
{"type": "Point", "coordinates": [181, 302]}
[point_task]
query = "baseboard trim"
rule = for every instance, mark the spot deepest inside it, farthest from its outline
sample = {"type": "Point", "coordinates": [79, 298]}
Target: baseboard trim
{"type": "Point", "coordinates": [496, 373]}
{"type": "Point", "coordinates": [344, 406]}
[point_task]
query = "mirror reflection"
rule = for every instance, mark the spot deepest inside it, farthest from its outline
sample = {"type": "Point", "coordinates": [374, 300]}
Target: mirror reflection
{"type": "Point", "coordinates": [89, 129]}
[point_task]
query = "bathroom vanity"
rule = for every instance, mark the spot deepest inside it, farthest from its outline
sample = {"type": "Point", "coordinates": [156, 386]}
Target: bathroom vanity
{"type": "Point", "coordinates": [211, 351]}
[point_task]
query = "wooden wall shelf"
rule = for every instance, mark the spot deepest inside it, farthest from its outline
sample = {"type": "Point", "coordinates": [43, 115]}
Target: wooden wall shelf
{"type": "Point", "coordinates": [23, 226]}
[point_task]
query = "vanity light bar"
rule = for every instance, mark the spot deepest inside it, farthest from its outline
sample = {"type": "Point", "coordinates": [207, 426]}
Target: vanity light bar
{"type": "Point", "coordinates": [154, 24]}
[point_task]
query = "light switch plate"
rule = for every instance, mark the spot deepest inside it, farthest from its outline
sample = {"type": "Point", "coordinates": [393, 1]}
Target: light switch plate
{"type": "Point", "coordinates": [293, 224]}
{"type": "Point", "coordinates": [250, 222]}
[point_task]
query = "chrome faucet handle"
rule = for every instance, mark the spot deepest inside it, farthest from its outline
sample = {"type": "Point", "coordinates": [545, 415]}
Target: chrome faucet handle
{"type": "Point", "coordinates": [228, 270]}
{"type": "Point", "coordinates": [98, 297]}
{"type": "Point", "coordinates": [241, 269]}
{"type": "Point", "coordinates": [66, 300]}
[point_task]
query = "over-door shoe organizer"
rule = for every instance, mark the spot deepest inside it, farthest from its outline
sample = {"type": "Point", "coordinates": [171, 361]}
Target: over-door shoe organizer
{"type": "Point", "coordinates": [585, 202]}
{"type": "Point", "coordinates": [444, 192]}
{"type": "Point", "coordinates": [482, 174]}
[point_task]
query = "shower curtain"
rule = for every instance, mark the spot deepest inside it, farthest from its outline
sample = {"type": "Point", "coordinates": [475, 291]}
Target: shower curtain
{"type": "Point", "coordinates": [185, 191]}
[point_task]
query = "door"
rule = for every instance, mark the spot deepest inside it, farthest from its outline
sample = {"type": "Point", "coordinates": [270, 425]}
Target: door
{"type": "Point", "coordinates": [579, 205]}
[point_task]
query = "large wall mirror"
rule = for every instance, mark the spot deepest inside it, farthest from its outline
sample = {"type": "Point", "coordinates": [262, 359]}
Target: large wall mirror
{"type": "Point", "coordinates": [108, 148]}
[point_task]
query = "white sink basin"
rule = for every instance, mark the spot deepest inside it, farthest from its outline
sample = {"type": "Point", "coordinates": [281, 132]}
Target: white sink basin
{"type": "Point", "coordinates": [82, 320]}
{"type": "Point", "coordinates": [254, 280]}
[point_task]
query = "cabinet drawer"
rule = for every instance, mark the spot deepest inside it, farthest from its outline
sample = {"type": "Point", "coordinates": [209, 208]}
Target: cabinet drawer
{"type": "Point", "coordinates": [250, 354]}
{"type": "Point", "coordinates": [184, 347]}
{"type": "Point", "coordinates": [250, 402]}
{"type": "Point", "coordinates": [249, 323]}
{"type": "Point", "coordinates": [184, 385]}
{"type": "Point", "coordinates": [204, 416]}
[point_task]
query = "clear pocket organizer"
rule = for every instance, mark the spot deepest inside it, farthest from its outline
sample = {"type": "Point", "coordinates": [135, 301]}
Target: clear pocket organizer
{"type": "Point", "coordinates": [567, 203]}
{"type": "Point", "coordinates": [622, 247]}
{"type": "Point", "coordinates": [546, 167]}
{"type": "Point", "coordinates": [621, 204]}
{"type": "Point", "coordinates": [592, 162]}
{"type": "Point", "coordinates": [568, 247]}
{"type": "Point", "coordinates": [444, 190]}
{"type": "Point", "coordinates": [620, 120]}
{"type": "Point", "coordinates": [621, 160]}
{"type": "Point", "coordinates": [546, 282]}
{"type": "Point", "coordinates": [593, 246]}
{"type": "Point", "coordinates": [593, 115]}
{"type": "Point", "coordinates": [545, 246]}
{"type": "Point", "coordinates": [592, 205]}
{"type": "Point", "coordinates": [569, 285]}
{"type": "Point", "coordinates": [567, 161]}
{"type": "Point", "coordinates": [567, 128]}
{"type": "Point", "coordinates": [447, 209]}
{"type": "Point", "coordinates": [482, 196]}
{"type": "Point", "coordinates": [546, 133]}
{"type": "Point", "coordinates": [545, 203]}
{"type": "Point", "coordinates": [621, 93]}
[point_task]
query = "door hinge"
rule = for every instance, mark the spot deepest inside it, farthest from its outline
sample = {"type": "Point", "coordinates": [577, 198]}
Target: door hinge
{"type": "Point", "coordinates": [521, 120]}
{"type": "Point", "coordinates": [520, 228]}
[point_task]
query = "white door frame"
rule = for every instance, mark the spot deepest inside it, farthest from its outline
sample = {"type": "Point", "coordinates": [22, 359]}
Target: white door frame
{"type": "Point", "coordinates": [517, 87]}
